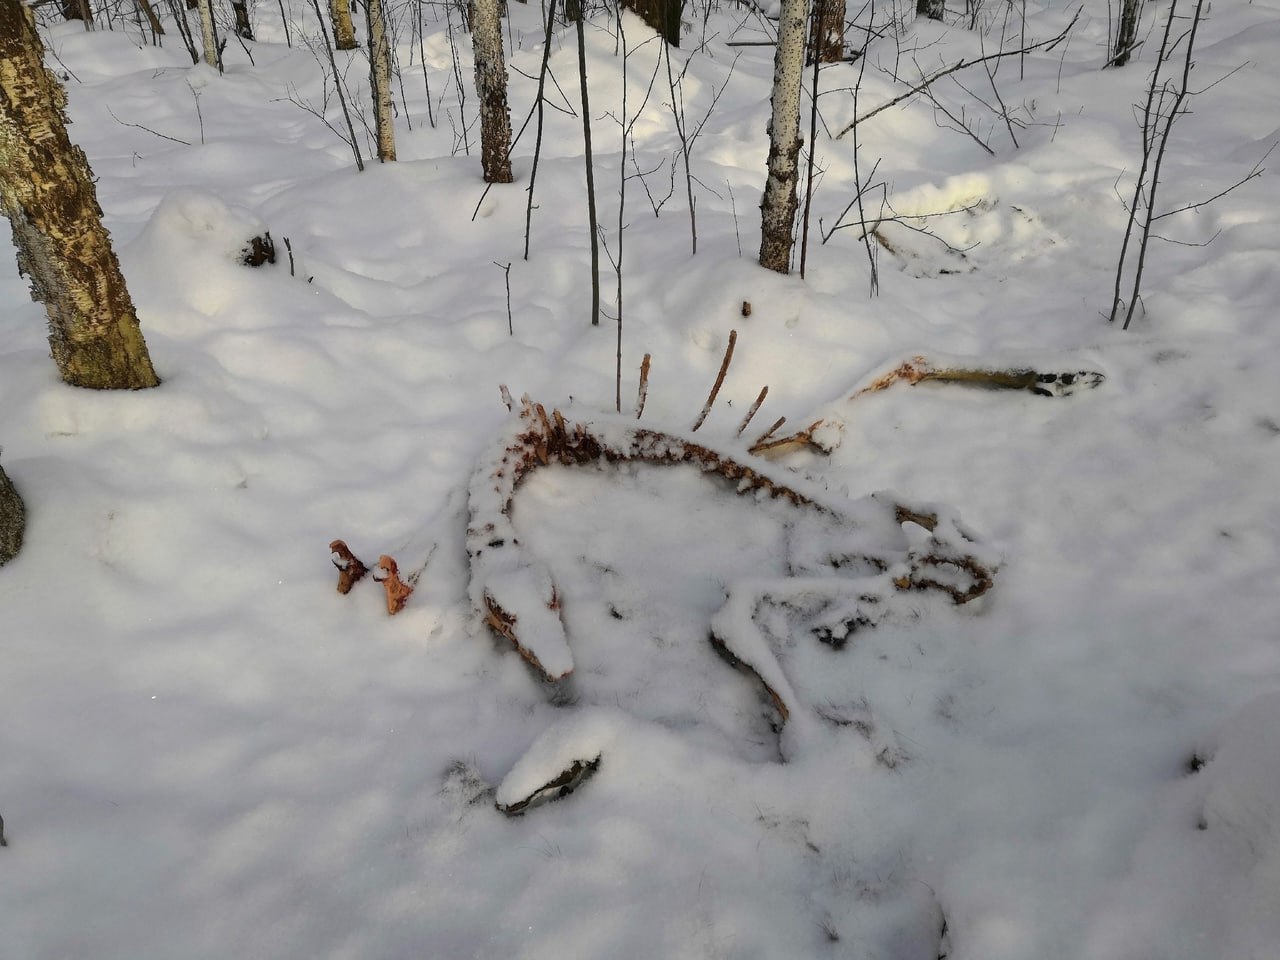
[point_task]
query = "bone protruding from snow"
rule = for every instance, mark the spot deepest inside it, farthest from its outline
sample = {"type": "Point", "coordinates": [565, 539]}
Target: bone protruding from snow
{"type": "Point", "coordinates": [1016, 376]}
{"type": "Point", "coordinates": [388, 574]}
{"type": "Point", "coordinates": [559, 760]}
{"type": "Point", "coordinates": [350, 569]}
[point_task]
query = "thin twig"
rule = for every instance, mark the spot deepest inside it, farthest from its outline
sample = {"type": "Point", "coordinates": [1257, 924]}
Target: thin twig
{"type": "Point", "coordinates": [162, 136]}
{"type": "Point", "coordinates": [962, 64]}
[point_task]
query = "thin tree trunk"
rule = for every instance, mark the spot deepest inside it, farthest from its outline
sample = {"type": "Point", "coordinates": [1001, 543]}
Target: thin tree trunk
{"type": "Point", "coordinates": [344, 31]}
{"type": "Point", "coordinates": [380, 80]}
{"type": "Point", "coordinates": [491, 88]}
{"type": "Point", "coordinates": [826, 33]}
{"type": "Point", "coordinates": [179, 12]}
{"type": "Point", "coordinates": [240, 8]}
{"type": "Point", "coordinates": [208, 32]}
{"type": "Point", "coordinates": [157, 28]}
{"type": "Point", "coordinates": [778, 207]}
{"type": "Point", "coordinates": [591, 177]}
{"type": "Point", "coordinates": [1128, 32]}
{"type": "Point", "coordinates": [661, 15]}
{"type": "Point", "coordinates": [47, 192]}
{"type": "Point", "coordinates": [933, 9]}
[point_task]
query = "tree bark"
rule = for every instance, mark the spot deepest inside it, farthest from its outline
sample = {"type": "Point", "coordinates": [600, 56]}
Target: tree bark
{"type": "Point", "coordinates": [13, 521]}
{"type": "Point", "coordinates": [933, 9]}
{"type": "Point", "coordinates": [826, 33]}
{"type": "Point", "coordinates": [661, 15]}
{"type": "Point", "coordinates": [1127, 34]}
{"type": "Point", "coordinates": [380, 80]}
{"type": "Point", "coordinates": [344, 31]}
{"type": "Point", "coordinates": [47, 192]}
{"type": "Point", "coordinates": [491, 88]}
{"type": "Point", "coordinates": [208, 32]}
{"type": "Point", "coordinates": [244, 29]}
{"type": "Point", "coordinates": [157, 28]}
{"type": "Point", "coordinates": [778, 207]}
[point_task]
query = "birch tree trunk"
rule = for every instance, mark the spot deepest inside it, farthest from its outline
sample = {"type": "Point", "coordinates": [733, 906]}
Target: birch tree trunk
{"type": "Point", "coordinates": [208, 32]}
{"type": "Point", "coordinates": [778, 208]}
{"type": "Point", "coordinates": [47, 192]}
{"type": "Point", "coordinates": [380, 80]}
{"type": "Point", "coordinates": [344, 31]}
{"type": "Point", "coordinates": [491, 88]}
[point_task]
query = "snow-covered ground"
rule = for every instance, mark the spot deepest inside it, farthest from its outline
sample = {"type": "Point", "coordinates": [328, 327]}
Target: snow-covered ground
{"type": "Point", "coordinates": [207, 752]}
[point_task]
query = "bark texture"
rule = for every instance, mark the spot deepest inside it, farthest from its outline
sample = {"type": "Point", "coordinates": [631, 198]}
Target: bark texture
{"type": "Point", "coordinates": [344, 31]}
{"type": "Point", "coordinates": [661, 15]}
{"type": "Point", "coordinates": [778, 208]}
{"type": "Point", "coordinates": [157, 28]}
{"type": "Point", "coordinates": [1127, 34]}
{"type": "Point", "coordinates": [240, 8]}
{"type": "Point", "coordinates": [208, 32]}
{"type": "Point", "coordinates": [933, 9]}
{"type": "Point", "coordinates": [47, 192]}
{"type": "Point", "coordinates": [826, 33]}
{"type": "Point", "coordinates": [491, 88]}
{"type": "Point", "coordinates": [380, 80]}
{"type": "Point", "coordinates": [13, 520]}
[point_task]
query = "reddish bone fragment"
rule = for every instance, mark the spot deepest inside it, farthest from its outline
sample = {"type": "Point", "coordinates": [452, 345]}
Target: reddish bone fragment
{"type": "Point", "coordinates": [350, 569]}
{"type": "Point", "coordinates": [388, 574]}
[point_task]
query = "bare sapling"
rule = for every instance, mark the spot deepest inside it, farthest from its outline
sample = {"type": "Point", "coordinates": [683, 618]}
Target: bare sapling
{"type": "Point", "coordinates": [337, 79]}
{"type": "Point", "coordinates": [422, 58]}
{"type": "Point", "coordinates": [929, 79]}
{"type": "Point", "coordinates": [591, 181]}
{"type": "Point", "coordinates": [539, 104]}
{"type": "Point", "coordinates": [1166, 101]}
{"type": "Point", "coordinates": [178, 11]}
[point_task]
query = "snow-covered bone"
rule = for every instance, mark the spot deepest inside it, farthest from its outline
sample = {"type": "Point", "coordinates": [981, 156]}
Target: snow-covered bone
{"type": "Point", "coordinates": [515, 595]}
{"type": "Point", "coordinates": [350, 569]}
{"type": "Point", "coordinates": [921, 369]}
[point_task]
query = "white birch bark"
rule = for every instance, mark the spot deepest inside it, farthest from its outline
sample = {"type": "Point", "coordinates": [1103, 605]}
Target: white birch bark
{"type": "Point", "coordinates": [47, 192]}
{"type": "Point", "coordinates": [778, 207]}
{"type": "Point", "coordinates": [208, 33]}
{"type": "Point", "coordinates": [380, 77]}
{"type": "Point", "coordinates": [491, 88]}
{"type": "Point", "coordinates": [344, 31]}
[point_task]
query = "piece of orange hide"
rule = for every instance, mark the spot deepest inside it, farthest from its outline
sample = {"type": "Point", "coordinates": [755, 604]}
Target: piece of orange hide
{"type": "Point", "coordinates": [388, 574]}
{"type": "Point", "coordinates": [350, 569]}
